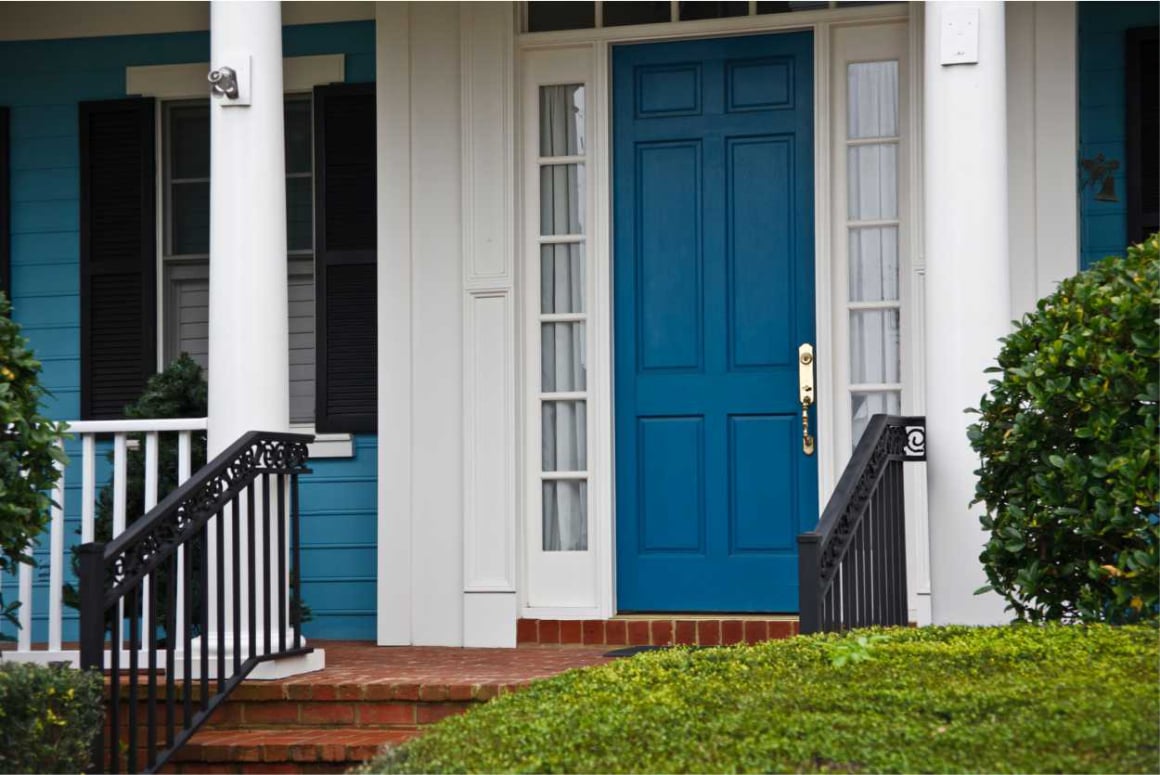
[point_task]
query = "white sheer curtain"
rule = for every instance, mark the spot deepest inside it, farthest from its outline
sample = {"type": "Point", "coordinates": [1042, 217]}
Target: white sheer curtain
{"type": "Point", "coordinates": [564, 420]}
{"type": "Point", "coordinates": [872, 200]}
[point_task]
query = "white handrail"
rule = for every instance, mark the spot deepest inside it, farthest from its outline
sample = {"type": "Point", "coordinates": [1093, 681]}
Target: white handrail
{"type": "Point", "coordinates": [87, 431]}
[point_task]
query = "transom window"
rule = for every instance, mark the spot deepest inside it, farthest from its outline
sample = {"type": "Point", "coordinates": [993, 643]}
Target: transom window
{"type": "Point", "coordinates": [185, 253]}
{"type": "Point", "coordinates": [543, 16]}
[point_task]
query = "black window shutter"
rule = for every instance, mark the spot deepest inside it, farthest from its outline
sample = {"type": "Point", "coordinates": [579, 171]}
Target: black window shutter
{"type": "Point", "coordinates": [345, 242]}
{"type": "Point", "coordinates": [118, 254]}
{"type": "Point", "coordinates": [5, 209]}
{"type": "Point", "coordinates": [1142, 174]}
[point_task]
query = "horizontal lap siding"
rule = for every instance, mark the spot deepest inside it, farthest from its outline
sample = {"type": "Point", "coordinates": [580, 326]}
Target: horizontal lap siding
{"type": "Point", "coordinates": [1104, 225]}
{"type": "Point", "coordinates": [42, 82]}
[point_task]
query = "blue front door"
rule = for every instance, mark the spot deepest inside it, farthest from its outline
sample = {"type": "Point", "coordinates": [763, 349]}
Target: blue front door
{"type": "Point", "coordinates": [714, 291]}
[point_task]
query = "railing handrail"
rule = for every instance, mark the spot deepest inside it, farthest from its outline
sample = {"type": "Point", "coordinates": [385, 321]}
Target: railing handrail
{"type": "Point", "coordinates": [145, 576]}
{"type": "Point", "coordinates": [840, 537]}
{"type": "Point", "coordinates": [209, 471]}
{"type": "Point", "coordinates": [856, 469]}
{"type": "Point", "coordinates": [160, 425]}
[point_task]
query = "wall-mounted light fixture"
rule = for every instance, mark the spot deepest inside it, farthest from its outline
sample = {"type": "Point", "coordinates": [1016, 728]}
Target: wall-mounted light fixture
{"type": "Point", "coordinates": [231, 83]}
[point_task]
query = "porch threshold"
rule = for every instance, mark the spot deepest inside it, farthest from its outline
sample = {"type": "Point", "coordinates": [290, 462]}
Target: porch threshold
{"type": "Point", "coordinates": [657, 630]}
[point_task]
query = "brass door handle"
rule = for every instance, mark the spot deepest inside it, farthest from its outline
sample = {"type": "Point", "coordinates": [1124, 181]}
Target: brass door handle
{"type": "Point", "coordinates": [806, 393]}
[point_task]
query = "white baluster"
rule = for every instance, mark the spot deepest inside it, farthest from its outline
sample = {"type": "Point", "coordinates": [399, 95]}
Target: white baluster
{"type": "Point", "coordinates": [151, 476]}
{"type": "Point", "coordinates": [24, 637]}
{"type": "Point", "coordinates": [184, 469]}
{"type": "Point", "coordinates": [88, 486]}
{"type": "Point", "coordinates": [56, 559]}
{"type": "Point", "coordinates": [120, 484]}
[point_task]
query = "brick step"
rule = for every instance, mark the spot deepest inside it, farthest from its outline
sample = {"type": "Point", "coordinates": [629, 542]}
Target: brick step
{"type": "Point", "coordinates": [282, 750]}
{"type": "Point", "coordinates": [667, 630]}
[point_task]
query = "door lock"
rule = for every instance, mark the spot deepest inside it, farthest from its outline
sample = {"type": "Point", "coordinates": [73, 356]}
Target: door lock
{"type": "Point", "coordinates": [806, 393]}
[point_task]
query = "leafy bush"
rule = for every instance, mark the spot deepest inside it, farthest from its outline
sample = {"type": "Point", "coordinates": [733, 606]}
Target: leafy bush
{"type": "Point", "coordinates": [1005, 699]}
{"type": "Point", "coordinates": [1067, 437]}
{"type": "Point", "coordinates": [28, 451]}
{"type": "Point", "coordinates": [48, 717]}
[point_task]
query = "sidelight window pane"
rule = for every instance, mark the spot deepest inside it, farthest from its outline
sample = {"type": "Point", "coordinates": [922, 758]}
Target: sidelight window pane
{"type": "Point", "coordinates": [873, 182]}
{"type": "Point", "coordinates": [874, 264]}
{"type": "Point", "coordinates": [873, 99]}
{"type": "Point", "coordinates": [561, 199]}
{"type": "Point", "coordinates": [562, 278]}
{"type": "Point", "coordinates": [565, 516]}
{"type": "Point", "coordinates": [562, 120]}
{"type": "Point", "coordinates": [874, 347]}
{"type": "Point", "coordinates": [562, 362]}
{"type": "Point", "coordinates": [866, 405]}
{"type": "Point", "coordinates": [564, 438]}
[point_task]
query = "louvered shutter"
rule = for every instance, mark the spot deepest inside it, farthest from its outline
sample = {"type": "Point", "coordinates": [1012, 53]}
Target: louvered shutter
{"type": "Point", "coordinates": [345, 242]}
{"type": "Point", "coordinates": [118, 254]}
{"type": "Point", "coordinates": [1142, 98]}
{"type": "Point", "coordinates": [5, 208]}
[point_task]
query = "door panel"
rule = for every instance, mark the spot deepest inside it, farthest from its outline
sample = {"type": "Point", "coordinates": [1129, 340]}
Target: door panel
{"type": "Point", "coordinates": [713, 293]}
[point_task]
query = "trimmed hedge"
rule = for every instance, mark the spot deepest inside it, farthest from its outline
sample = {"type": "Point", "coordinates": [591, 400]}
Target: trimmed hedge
{"type": "Point", "coordinates": [48, 717]}
{"type": "Point", "coordinates": [1021, 698]}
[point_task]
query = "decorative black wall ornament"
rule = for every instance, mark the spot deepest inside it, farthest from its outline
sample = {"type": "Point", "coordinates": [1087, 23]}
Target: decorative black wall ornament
{"type": "Point", "coordinates": [1099, 176]}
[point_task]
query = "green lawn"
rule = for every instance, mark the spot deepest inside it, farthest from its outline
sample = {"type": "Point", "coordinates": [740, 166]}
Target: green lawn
{"type": "Point", "coordinates": [1003, 699]}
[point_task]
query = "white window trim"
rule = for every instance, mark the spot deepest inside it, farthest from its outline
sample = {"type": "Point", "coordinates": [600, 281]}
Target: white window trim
{"type": "Point", "coordinates": [595, 46]}
{"type": "Point", "coordinates": [188, 81]}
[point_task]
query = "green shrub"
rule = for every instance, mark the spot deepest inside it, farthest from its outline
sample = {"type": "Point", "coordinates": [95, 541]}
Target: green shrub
{"type": "Point", "coordinates": [28, 451]}
{"type": "Point", "coordinates": [48, 717]}
{"type": "Point", "coordinates": [1019, 698]}
{"type": "Point", "coordinates": [1067, 436]}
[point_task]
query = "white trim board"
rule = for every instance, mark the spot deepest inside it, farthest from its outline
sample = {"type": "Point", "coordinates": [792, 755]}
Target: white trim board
{"type": "Point", "coordinates": [184, 81]}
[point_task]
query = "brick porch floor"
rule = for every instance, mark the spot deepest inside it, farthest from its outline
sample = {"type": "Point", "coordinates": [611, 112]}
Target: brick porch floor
{"type": "Point", "coordinates": [368, 696]}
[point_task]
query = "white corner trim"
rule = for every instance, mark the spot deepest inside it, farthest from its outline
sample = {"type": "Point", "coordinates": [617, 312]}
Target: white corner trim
{"type": "Point", "coordinates": [185, 81]}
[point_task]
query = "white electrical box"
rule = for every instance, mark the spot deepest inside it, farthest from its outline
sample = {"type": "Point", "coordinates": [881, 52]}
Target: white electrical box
{"type": "Point", "coordinates": [959, 44]}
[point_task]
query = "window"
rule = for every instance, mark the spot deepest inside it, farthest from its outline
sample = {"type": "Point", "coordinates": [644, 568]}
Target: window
{"type": "Point", "coordinates": [547, 16]}
{"type": "Point", "coordinates": [563, 313]}
{"type": "Point", "coordinates": [874, 301]}
{"type": "Point", "coordinates": [185, 245]}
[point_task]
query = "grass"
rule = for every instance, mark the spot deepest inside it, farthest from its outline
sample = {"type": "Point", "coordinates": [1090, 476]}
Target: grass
{"type": "Point", "coordinates": [953, 699]}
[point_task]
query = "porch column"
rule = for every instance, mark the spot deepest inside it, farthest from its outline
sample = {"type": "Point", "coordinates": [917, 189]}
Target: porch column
{"type": "Point", "coordinates": [967, 281]}
{"type": "Point", "coordinates": [248, 337]}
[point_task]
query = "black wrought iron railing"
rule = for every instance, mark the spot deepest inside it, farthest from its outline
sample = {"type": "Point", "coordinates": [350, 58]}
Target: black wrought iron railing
{"type": "Point", "coordinates": [852, 567]}
{"type": "Point", "coordinates": [180, 607]}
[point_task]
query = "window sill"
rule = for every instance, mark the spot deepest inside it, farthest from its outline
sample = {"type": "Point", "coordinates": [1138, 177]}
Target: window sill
{"type": "Point", "coordinates": [327, 445]}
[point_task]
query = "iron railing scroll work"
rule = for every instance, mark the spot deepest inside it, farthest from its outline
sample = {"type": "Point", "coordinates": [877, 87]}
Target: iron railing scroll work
{"type": "Point", "coordinates": [193, 596]}
{"type": "Point", "coordinates": [852, 567]}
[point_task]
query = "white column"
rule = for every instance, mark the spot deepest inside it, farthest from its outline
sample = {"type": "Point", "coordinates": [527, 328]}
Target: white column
{"type": "Point", "coordinates": [967, 283]}
{"type": "Point", "coordinates": [248, 337]}
{"type": "Point", "coordinates": [248, 329]}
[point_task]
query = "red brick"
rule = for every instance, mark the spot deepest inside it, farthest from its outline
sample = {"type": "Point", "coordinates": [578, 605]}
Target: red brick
{"type": "Point", "coordinates": [526, 631]}
{"type": "Point", "coordinates": [274, 752]}
{"type": "Point", "coordinates": [709, 632]}
{"type": "Point", "coordinates": [271, 713]}
{"type": "Point", "coordinates": [304, 691]}
{"type": "Point", "coordinates": [755, 631]}
{"type": "Point", "coordinates": [549, 631]}
{"type": "Point", "coordinates": [434, 692]}
{"type": "Point", "coordinates": [247, 753]}
{"type": "Point", "coordinates": [732, 631]}
{"type": "Point", "coordinates": [406, 692]}
{"type": "Point", "coordinates": [259, 690]}
{"type": "Point", "coordinates": [386, 713]}
{"type": "Point", "coordinates": [303, 753]}
{"type": "Point", "coordinates": [229, 715]}
{"type": "Point", "coordinates": [615, 633]}
{"type": "Point", "coordinates": [570, 632]}
{"type": "Point", "coordinates": [638, 633]}
{"type": "Point", "coordinates": [593, 631]}
{"type": "Point", "coordinates": [686, 632]}
{"type": "Point", "coordinates": [327, 713]}
{"type": "Point", "coordinates": [349, 692]}
{"type": "Point", "coordinates": [429, 714]}
{"type": "Point", "coordinates": [378, 692]}
{"type": "Point", "coordinates": [487, 692]}
{"type": "Point", "coordinates": [333, 752]}
{"type": "Point", "coordinates": [662, 633]}
{"type": "Point", "coordinates": [461, 692]}
{"type": "Point", "coordinates": [781, 629]}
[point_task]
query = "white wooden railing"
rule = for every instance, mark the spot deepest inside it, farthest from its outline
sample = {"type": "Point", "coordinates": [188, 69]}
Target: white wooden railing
{"type": "Point", "coordinates": [87, 431]}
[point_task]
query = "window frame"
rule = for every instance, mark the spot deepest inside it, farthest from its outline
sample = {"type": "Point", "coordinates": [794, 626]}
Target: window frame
{"type": "Point", "coordinates": [182, 82]}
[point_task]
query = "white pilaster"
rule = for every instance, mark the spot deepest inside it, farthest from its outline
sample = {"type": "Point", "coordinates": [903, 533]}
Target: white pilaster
{"type": "Point", "coordinates": [248, 328]}
{"type": "Point", "coordinates": [248, 355]}
{"type": "Point", "coordinates": [967, 282]}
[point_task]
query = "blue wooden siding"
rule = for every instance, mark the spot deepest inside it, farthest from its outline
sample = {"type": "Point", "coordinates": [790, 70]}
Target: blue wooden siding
{"type": "Point", "coordinates": [42, 82]}
{"type": "Point", "coordinates": [1104, 225]}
